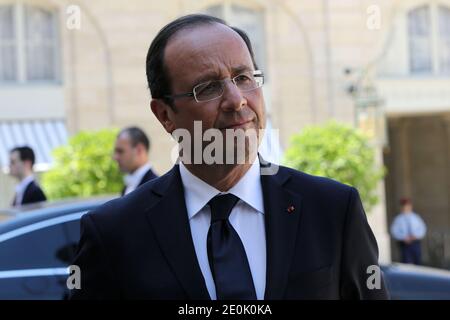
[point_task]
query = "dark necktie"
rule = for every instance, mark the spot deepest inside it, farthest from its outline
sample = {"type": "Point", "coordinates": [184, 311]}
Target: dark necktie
{"type": "Point", "coordinates": [226, 253]}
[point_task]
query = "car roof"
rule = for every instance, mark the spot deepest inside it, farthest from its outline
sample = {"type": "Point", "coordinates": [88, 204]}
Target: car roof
{"type": "Point", "coordinates": [416, 270]}
{"type": "Point", "coordinates": [21, 216]}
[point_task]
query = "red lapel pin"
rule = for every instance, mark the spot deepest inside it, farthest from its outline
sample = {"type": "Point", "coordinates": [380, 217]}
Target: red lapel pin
{"type": "Point", "coordinates": [290, 209]}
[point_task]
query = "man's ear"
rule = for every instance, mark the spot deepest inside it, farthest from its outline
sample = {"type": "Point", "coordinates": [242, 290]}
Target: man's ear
{"type": "Point", "coordinates": [140, 148]}
{"type": "Point", "coordinates": [28, 164]}
{"type": "Point", "coordinates": [163, 112]}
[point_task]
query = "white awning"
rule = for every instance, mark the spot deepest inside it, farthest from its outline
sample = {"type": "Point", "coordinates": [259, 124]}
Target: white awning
{"type": "Point", "coordinates": [41, 135]}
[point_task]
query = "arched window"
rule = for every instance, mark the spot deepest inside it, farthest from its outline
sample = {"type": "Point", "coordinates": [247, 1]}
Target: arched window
{"type": "Point", "coordinates": [8, 61]}
{"type": "Point", "coordinates": [419, 29]}
{"type": "Point", "coordinates": [429, 40]}
{"type": "Point", "coordinates": [444, 37]}
{"type": "Point", "coordinates": [29, 50]}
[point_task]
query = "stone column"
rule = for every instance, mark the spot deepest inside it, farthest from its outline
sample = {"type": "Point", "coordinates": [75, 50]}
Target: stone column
{"type": "Point", "coordinates": [378, 216]}
{"type": "Point", "coordinates": [405, 160]}
{"type": "Point", "coordinates": [446, 119]}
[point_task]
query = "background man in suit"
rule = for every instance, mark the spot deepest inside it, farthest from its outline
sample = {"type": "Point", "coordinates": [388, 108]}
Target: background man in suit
{"type": "Point", "coordinates": [21, 167]}
{"type": "Point", "coordinates": [131, 153]}
{"type": "Point", "coordinates": [223, 230]}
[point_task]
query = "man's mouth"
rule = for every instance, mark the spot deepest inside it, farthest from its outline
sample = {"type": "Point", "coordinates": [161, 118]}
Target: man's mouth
{"type": "Point", "coordinates": [238, 125]}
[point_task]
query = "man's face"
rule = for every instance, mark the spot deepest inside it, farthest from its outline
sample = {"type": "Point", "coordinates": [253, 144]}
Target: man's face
{"type": "Point", "coordinates": [211, 52]}
{"type": "Point", "coordinates": [125, 154]}
{"type": "Point", "coordinates": [16, 166]}
{"type": "Point", "coordinates": [407, 207]}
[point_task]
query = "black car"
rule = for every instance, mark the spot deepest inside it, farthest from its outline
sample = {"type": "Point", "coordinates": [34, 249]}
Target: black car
{"type": "Point", "coordinates": [37, 245]}
{"type": "Point", "coordinates": [410, 282]}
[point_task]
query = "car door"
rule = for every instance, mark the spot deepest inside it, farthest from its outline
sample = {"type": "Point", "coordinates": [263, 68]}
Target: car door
{"type": "Point", "coordinates": [34, 258]}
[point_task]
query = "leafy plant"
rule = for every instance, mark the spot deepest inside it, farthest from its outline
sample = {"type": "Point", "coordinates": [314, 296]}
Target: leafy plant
{"type": "Point", "coordinates": [84, 167]}
{"type": "Point", "coordinates": [339, 152]}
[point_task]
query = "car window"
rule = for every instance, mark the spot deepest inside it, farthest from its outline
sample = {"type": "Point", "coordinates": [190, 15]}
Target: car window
{"type": "Point", "coordinates": [71, 231]}
{"type": "Point", "coordinates": [35, 249]}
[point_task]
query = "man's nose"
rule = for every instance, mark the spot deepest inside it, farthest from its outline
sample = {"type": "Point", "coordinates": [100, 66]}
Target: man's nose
{"type": "Point", "coordinates": [232, 99]}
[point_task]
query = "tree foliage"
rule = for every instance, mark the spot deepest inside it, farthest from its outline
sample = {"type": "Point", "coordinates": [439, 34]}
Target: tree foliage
{"type": "Point", "coordinates": [339, 152]}
{"type": "Point", "coordinates": [84, 167]}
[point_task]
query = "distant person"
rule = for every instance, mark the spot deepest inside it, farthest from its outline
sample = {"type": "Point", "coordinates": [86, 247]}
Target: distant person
{"type": "Point", "coordinates": [131, 153]}
{"type": "Point", "coordinates": [408, 229]}
{"type": "Point", "coordinates": [21, 167]}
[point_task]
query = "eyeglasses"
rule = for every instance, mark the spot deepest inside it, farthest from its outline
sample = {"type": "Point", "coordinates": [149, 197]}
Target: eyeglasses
{"type": "Point", "coordinates": [214, 89]}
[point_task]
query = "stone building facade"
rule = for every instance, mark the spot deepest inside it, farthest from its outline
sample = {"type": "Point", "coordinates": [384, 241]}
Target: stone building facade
{"type": "Point", "coordinates": [382, 65]}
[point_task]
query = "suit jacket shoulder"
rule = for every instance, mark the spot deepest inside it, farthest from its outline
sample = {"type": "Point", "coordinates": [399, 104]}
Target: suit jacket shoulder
{"type": "Point", "coordinates": [313, 183]}
{"type": "Point", "coordinates": [118, 246]}
{"type": "Point", "coordinates": [149, 175]}
{"type": "Point", "coordinates": [326, 232]}
{"type": "Point", "coordinates": [314, 189]}
{"type": "Point", "coordinates": [33, 193]}
{"type": "Point", "coordinates": [131, 205]}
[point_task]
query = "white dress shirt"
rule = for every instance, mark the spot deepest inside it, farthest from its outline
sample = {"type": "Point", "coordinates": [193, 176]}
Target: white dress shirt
{"type": "Point", "coordinates": [132, 180]}
{"type": "Point", "coordinates": [408, 224]}
{"type": "Point", "coordinates": [21, 187]}
{"type": "Point", "coordinates": [247, 218]}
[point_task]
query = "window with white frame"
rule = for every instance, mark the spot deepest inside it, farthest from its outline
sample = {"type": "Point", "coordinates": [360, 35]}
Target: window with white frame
{"type": "Point", "coordinates": [29, 50]}
{"type": "Point", "coordinates": [429, 40]}
{"type": "Point", "coordinates": [444, 36]}
{"type": "Point", "coordinates": [8, 61]}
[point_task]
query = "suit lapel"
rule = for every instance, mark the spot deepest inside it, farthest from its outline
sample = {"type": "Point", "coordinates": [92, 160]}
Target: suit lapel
{"type": "Point", "coordinates": [147, 177]}
{"type": "Point", "coordinates": [169, 221]}
{"type": "Point", "coordinates": [282, 215]}
{"type": "Point", "coordinates": [26, 193]}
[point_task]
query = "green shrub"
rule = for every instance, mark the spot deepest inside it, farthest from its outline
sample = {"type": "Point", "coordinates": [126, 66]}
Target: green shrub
{"type": "Point", "coordinates": [84, 167]}
{"type": "Point", "coordinates": [339, 152]}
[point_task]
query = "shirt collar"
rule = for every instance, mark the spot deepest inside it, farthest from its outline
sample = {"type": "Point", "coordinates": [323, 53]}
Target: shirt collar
{"type": "Point", "coordinates": [198, 192]}
{"type": "Point", "coordinates": [249, 189]}
{"type": "Point", "coordinates": [20, 188]}
{"type": "Point", "coordinates": [135, 177]}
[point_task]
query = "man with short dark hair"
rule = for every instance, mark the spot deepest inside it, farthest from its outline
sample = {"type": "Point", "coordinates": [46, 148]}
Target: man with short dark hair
{"type": "Point", "coordinates": [131, 154]}
{"type": "Point", "coordinates": [217, 227]}
{"type": "Point", "coordinates": [21, 167]}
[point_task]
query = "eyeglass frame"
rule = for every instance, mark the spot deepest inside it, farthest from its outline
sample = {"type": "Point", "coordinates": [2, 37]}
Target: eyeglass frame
{"type": "Point", "coordinates": [255, 73]}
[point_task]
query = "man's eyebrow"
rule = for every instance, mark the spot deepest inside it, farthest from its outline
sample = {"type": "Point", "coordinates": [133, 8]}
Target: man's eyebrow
{"type": "Point", "coordinates": [206, 77]}
{"type": "Point", "coordinates": [214, 75]}
{"type": "Point", "coordinates": [240, 69]}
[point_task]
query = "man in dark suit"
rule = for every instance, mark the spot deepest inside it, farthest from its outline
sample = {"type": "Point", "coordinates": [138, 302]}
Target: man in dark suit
{"type": "Point", "coordinates": [21, 167]}
{"type": "Point", "coordinates": [224, 230]}
{"type": "Point", "coordinates": [131, 153]}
